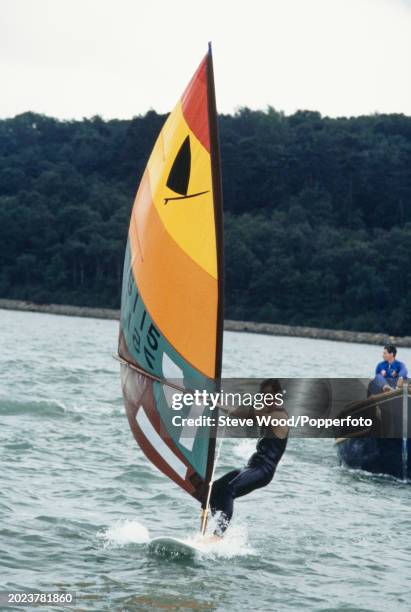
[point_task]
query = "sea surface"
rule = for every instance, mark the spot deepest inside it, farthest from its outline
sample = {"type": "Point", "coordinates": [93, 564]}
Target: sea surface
{"type": "Point", "coordinates": [79, 501]}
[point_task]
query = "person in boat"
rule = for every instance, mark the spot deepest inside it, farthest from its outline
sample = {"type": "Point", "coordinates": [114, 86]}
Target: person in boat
{"type": "Point", "coordinates": [389, 373]}
{"type": "Point", "coordinates": [260, 467]}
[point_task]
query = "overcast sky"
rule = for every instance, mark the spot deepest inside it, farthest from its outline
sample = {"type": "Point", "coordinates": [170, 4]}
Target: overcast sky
{"type": "Point", "coordinates": [119, 58]}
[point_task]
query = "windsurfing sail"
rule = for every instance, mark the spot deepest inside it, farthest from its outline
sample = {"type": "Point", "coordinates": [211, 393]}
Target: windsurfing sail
{"type": "Point", "coordinates": [171, 325]}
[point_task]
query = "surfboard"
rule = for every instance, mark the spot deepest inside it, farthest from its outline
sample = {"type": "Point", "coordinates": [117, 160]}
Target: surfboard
{"type": "Point", "coordinates": [174, 547]}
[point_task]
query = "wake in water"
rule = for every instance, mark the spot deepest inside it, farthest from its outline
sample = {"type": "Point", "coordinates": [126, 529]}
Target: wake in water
{"type": "Point", "coordinates": [364, 476]}
{"type": "Point", "coordinates": [234, 544]}
{"type": "Point", "coordinates": [36, 407]}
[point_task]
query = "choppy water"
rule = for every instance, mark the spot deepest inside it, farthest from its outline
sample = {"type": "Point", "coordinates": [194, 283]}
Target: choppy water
{"type": "Point", "coordinates": [78, 500]}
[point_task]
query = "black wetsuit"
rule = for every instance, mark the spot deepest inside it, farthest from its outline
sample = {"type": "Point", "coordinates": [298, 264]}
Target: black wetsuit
{"type": "Point", "coordinates": [258, 472]}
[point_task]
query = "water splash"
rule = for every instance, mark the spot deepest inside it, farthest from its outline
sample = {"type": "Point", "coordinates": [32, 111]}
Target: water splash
{"type": "Point", "coordinates": [235, 543]}
{"type": "Point", "coordinates": [123, 533]}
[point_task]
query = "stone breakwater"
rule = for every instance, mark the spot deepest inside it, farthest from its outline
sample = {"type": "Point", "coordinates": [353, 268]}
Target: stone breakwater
{"type": "Point", "coordinates": [60, 309]}
{"type": "Point", "coordinates": [238, 326]}
{"type": "Point", "coordinates": [319, 334]}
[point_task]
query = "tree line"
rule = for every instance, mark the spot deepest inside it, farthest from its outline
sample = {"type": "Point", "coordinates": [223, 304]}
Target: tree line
{"type": "Point", "coordinates": [317, 214]}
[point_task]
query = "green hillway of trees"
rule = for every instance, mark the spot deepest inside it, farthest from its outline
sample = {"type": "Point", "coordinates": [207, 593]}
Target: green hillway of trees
{"type": "Point", "coordinates": [317, 214]}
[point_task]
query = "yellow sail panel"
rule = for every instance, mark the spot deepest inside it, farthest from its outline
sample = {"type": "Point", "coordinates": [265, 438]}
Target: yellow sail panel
{"type": "Point", "coordinates": [173, 232]}
{"type": "Point", "coordinates": [187, 214]}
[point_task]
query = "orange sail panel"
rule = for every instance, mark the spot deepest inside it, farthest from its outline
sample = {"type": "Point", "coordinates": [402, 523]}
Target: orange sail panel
{"type": "Point", "coordinates": [172, 297]}
{"type": "Point", "coordinates": [172, 232]}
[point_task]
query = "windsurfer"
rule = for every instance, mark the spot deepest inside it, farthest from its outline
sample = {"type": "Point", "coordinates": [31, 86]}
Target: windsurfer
{"type": "Point", "coordinates": [260, 468]}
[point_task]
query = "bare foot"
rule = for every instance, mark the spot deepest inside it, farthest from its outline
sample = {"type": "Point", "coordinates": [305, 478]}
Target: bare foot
{"type": "Point", "coordinates": [212, 539]}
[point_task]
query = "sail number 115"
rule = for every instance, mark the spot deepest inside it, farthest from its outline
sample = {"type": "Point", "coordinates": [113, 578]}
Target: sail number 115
{"type": "Point", "coordinates": [144, 342]}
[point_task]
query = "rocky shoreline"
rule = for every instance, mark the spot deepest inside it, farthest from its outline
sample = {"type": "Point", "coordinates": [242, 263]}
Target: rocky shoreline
{"type": "Point", "coordinates": [238, 326]}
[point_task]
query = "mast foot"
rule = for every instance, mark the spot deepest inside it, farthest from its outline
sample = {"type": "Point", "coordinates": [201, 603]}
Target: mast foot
{"type": "Point", "coordinates": [204, 520]}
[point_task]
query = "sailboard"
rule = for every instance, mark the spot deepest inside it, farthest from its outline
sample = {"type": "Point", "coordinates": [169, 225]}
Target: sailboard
{"type": "Point", "coordinates": [171, 324]}
{"type": "Point", "coordinates": [175, 547]}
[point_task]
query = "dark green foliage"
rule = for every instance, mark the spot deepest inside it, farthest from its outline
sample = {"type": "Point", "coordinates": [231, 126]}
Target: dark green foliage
{"type": "Point", "coordinates": [317, 223]}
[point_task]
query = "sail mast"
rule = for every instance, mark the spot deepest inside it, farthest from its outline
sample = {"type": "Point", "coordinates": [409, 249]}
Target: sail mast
{"type": "Point", "coordinates": [218, 206]}
{"type": "Point", "coordinates": [219, 232]}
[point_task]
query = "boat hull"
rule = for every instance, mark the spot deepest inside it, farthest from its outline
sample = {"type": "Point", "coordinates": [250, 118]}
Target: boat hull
{"type": "Point", "coordinates": [377, 455]}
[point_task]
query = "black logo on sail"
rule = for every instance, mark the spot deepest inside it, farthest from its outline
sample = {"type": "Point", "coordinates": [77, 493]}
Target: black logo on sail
{"type": "Point", "coordinates": [179, 176]}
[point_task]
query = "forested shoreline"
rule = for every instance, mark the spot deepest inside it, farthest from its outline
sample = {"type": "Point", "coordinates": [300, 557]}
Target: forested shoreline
{"type": "Point", "coordinates": [317, 214]}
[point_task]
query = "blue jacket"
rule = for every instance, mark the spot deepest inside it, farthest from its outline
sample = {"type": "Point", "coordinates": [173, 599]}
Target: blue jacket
{"type": "Point", "coordinates": [394, 369]}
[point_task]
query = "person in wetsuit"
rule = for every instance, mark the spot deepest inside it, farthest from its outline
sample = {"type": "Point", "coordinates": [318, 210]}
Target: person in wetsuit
{"type": "Point", "coordinates": [260, 468]}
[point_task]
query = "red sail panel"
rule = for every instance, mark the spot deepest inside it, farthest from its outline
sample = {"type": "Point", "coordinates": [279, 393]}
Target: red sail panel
{"type": "Point", "coordinates": [195, 105]}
